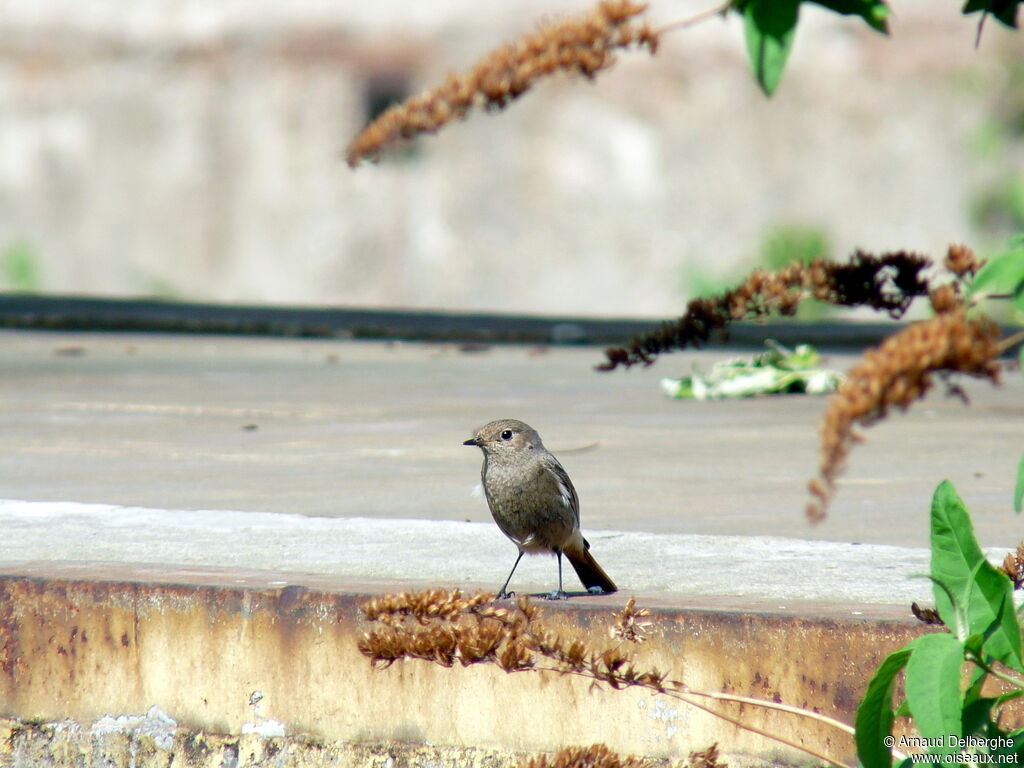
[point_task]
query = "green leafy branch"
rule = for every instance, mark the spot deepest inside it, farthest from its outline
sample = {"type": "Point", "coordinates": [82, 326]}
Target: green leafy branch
{"type": "Point", "coordinates": [974, 600]}
{"type": "Point", "coordinates": [770, 27]}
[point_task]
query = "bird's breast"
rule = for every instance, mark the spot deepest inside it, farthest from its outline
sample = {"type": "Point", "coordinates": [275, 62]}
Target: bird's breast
{"type": "Point", "coordinates": [529, 505]}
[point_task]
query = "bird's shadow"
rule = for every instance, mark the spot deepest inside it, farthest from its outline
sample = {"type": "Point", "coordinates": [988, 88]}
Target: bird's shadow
{"type": "Point", "coordinates": [550, 596]}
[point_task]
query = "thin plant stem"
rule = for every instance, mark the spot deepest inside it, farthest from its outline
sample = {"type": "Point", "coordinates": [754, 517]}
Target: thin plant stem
{"type": "Point", "coordinates": [1016, 682]}
{"type": "Point", "coordinates": [738, 723]}
{"type": "Point", "coordinates": [774, 737]}
{"type": "Point", "coordinates": [1011, 341]}
{"type": "Point", "coordinates": [702, 16]}
{"type": "Point", "coordinates": [781, 707]}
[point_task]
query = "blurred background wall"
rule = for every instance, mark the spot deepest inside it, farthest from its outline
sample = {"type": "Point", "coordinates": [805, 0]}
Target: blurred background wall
{"type": "Point", "coordinates": [193, 149]}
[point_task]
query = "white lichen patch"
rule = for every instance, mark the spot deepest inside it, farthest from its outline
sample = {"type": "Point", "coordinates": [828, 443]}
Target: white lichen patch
{"type": "Point", "coordinates": [155, 724]}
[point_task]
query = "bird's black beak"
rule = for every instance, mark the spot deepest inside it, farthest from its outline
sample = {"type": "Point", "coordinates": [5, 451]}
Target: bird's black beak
{"type": "Point", "coordinates": [474, 441]}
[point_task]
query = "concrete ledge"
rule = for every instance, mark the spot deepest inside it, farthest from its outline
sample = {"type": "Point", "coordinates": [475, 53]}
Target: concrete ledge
{"type": "Point", "coordinates": [81, 646]}
{"type": "Point", "coordinates": [82, 313]}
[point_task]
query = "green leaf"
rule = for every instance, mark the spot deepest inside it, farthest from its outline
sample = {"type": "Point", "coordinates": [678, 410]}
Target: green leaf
{"type": "Point", "coordinates": [958, 623]}
{"type": "Point", "coordinates": [974, 685]}
{"type": "Point", "coordinates": [983, 593]}
{"type": "Point", "coordinates": [1001, 274]}
{"type": "Point", "coordinates": [1015, 748]}
{"type": "Point", "coordinates": [1018, 491]}
{"type": "Point", "coordinates": [875, 714]}
{"type": "Point", "coordinates": [769, 26]}
{"type": "Point", "coordinates": [976, 715]}
{"type": "Point", "coordinates": [1004, 10]}
{"type": "Point", "coordinates": [974, 643]}
{"type": "Point", "coordinates": [933, 687]}
{"type": "Point", "coordinates": [874, 12]}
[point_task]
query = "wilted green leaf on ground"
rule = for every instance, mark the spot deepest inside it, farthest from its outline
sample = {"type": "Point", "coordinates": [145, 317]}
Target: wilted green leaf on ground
{"type": "Point", "coordinates": [777, 371]}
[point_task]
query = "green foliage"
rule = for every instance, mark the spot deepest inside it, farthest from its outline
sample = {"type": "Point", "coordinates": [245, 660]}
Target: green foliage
{"type": "Point", "coordinates": [770, 27]}
{"type": "Point", "coordinates": [697, 280]}
{"type": "Point", "coordinates": [786, 243]}
{"type": "Point", "coordinates": [1018, 491]}
{"type": "Point", "coordinates": [775, 372]}
{"type": "Point", "coordinates": [975, 602]}
{"type": "Point", "coordinates": [19, 267]}
{"type": "Point", "coordinates": [999, 208]}
{"type": "Point", "coordinates": [932, 670]}
{"type": "Point", "coordinates": [1002, 275]}
{"type": "Point", "coordinates": [875, 714]}
{"type": "Point", "coordinates": [967, 586]}
{"type": "Point", "coordinates": [1004, 10]}
{"type": "Point", "coordinates": [874, 12]}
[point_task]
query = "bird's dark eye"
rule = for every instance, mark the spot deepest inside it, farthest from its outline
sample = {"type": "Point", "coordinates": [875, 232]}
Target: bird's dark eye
{"type": "Point", "coordinates": [506, 435]}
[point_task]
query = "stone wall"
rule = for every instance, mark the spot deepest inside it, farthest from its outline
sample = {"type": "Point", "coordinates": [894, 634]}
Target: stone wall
{"type": "Point", "coordinates": [195, 150]}
{"type": "Point", "coordinates": [100, 665]}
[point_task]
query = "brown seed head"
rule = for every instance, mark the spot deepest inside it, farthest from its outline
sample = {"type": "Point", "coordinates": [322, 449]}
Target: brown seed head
{"type": "Point", "coordinates": [896, 374]}
{"type": "Point", "coordinates": [961, 261]}
{"type": "Point", "coordinates": [888, 283]}
{"type": "Point", "coordinates": [583, 46]}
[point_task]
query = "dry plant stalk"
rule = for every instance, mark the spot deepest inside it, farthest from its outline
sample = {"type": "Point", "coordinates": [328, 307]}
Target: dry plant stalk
{"type": "Point", "coordinates": [1013, 566]}
{"type": "Point", "coordinates": [888, 283]}
{"type": "Point", "coordinates": [448, 628]}
{"type": "Point", "coordinates": [630, 624]}
{"type": "Point", "coordinates": [595, 756]}
{"type": "Point", "coordinates": [583, 45]}
{"type": "Point", "coordinates": [895, 374]}
{"type": "Point", "coordinates": [599, 756]}
{"type": "Point", "coordinates": [925, 615]}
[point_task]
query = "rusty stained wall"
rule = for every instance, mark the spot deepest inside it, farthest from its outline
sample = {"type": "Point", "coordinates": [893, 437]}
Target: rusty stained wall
{"type": "Point", "coordinates": [86, 649]}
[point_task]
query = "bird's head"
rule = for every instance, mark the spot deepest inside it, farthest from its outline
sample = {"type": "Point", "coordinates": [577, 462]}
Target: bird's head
{"type": "Point", "coordinates": [506, 437]}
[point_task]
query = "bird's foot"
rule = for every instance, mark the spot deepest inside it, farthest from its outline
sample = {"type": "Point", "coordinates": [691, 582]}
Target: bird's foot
{"type": "Point", "coordinates": [595, 590]}
{"type": "Point", "coordinates": [555, 594]}
{"type": "Point", "coordinates": [505, 595]}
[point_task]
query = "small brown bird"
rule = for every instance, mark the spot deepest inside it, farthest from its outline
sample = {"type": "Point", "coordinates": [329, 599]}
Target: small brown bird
{"type": "Point", "coordinates": [533, 501]}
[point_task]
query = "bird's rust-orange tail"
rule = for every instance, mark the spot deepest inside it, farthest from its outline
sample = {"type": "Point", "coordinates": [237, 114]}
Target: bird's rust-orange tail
{"type": "Point", "coordinates": [589, 571]}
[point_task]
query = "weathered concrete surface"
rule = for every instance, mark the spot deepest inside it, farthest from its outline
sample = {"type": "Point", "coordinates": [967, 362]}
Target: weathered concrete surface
{"type": "Point", "coordinates": [423, 553]}
{"type": "Point", "coordinates": [307, 430]}
{"type": "Point", "coordinates": [356, 429]}
{"type": "Point", "coordinates": [154, 740]}
{"type": "Point", "coordinates": [199, 647]}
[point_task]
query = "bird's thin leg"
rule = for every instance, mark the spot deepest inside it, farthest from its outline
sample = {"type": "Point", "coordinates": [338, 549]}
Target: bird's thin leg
{"type": "Point", "coordinates": [502, 593]}
{"type": "Point", "coordinates": [560, 595]}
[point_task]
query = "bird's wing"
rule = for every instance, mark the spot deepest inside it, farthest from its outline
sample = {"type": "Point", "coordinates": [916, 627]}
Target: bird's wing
{"type": "Point", "coordinates": [565, 486]}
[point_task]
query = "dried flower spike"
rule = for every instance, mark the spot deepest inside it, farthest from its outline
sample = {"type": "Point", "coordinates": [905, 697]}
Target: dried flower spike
{"type": "Point", "coordinates": [925, 615]}
{"type": "Point", "coordinates": [629, 625]}
{"type": "Point", "coordinates": [596, 756]}
{"type": "Point", "coordinates": [1013, 566]}
{"type": "Point", "coordinates": [888, 283]}
{"type": "Point", "coordinates": [895, 374]}
{"type": "Point", "coordinates": [583, 45]}
{"type": "Point", "coordinates": [961, 261]}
